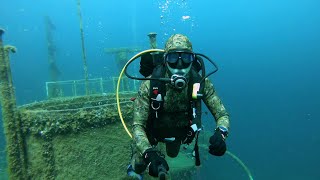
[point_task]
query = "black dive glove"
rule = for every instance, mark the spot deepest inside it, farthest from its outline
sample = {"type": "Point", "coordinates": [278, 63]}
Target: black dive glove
{"type": "Point", "coordinates": [157, 163]}
{"type": "Point", "coordinates": [217, 142]}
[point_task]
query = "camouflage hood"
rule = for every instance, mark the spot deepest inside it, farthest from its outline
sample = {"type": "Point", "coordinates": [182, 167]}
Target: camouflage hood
{"type": "Point", "coordinates": [178, 41]}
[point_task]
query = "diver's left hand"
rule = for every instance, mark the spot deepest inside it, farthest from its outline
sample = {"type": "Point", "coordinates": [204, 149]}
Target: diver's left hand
{"type": "Point", "coordinates": [217, 144]}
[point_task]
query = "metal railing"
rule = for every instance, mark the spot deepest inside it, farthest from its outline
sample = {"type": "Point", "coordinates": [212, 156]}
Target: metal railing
{"type": "Point", "coordinates": [96, 86]}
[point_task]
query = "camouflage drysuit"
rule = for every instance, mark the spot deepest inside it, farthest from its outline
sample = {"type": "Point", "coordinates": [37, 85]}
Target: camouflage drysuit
{"type": "Point", "coordinates": [174, 114]}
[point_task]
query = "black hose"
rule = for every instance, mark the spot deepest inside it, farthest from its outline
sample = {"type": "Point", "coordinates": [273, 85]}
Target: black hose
{"type": "Point", "coordinates": [203, 69]}
{"type": "Point", "coordinates": [168, 79]}
{"type": "Point", "coordinates": [196, 151]}
{"type": "Point", "coordinates": [137, 78]}
{"type": "Point", "coordinates": [213, 63]}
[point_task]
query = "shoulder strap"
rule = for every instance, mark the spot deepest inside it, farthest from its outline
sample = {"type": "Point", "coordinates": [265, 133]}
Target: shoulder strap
{"type": "Point", "coordinates": [157, 91]}
{"type": "Point", "coordinates": [195, 110]}
{"type": "Point", "coordinates": [196, 106]}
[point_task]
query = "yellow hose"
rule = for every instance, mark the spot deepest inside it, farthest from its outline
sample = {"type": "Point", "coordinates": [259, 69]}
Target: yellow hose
{"type": "Point", "coordinates": [238, 160]}
{"type": "Point", "coordinates": [119, 80]}
{"type": "Point", "coordinates": [246, 169]}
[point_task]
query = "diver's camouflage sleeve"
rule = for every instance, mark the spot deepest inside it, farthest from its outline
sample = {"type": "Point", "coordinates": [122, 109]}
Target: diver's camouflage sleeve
{"type": "Point", "coordinates": [215, 105]}
{"type": "Point", "coordinates": [140, 117]}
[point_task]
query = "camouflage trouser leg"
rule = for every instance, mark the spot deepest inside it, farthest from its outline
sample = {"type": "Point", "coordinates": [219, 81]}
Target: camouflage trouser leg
{"type": "Point", "coordinates": [173, 148]}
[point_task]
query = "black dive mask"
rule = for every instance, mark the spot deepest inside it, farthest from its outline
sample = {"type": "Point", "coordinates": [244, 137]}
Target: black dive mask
{"type": "Point", "coordinates": [179, 59]}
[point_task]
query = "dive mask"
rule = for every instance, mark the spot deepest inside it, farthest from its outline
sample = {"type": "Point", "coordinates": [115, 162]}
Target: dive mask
{"type": "Point", "coordinates": [179, 59]}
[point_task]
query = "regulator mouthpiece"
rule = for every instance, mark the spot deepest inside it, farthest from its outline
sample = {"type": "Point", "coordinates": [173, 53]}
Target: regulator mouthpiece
{"type": "Point", "coordinates": [178, 82]}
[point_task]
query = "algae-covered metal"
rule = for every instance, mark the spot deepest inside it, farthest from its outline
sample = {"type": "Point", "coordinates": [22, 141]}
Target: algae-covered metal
{"type": "Point", "coordinates": [11, 121]}
{"type": "Point", "coordinates": [72, 137]}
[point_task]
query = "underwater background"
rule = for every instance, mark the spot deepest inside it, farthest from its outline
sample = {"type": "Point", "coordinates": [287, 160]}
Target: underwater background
{"type": "Point", "coordinates": [268, 53]}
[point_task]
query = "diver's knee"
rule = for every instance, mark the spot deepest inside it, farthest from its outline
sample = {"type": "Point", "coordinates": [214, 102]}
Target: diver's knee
{"type": "Point", "coordinates": [173, 149]}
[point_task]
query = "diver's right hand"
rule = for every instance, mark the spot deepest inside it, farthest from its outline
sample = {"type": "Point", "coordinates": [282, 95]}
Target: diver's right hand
{"type": "Point", "coordinates": [153, 158]}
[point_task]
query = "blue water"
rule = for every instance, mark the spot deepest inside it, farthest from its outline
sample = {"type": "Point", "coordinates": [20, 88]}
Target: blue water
{"type": "Point", "coordinates": [268, 53]}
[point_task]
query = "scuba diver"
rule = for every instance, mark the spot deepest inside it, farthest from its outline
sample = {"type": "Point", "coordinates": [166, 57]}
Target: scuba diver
{"type": "Point", "coordinates": [170, 112]}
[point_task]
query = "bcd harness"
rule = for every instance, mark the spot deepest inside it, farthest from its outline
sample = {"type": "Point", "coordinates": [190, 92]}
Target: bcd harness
{"type": "Point", "coordinates": [157, 94]}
